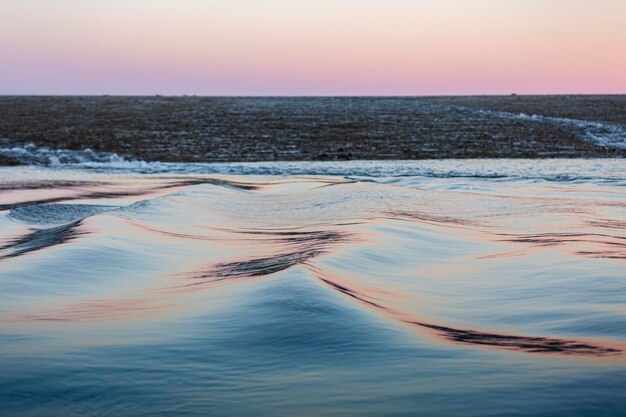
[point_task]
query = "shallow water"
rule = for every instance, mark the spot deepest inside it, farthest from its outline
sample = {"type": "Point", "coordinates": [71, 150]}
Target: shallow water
{"type": "Point", "coordinates": [367, 288]}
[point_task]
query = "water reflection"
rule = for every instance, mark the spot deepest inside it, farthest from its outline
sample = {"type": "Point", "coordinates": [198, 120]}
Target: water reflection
{"type": "Point", "coordinates": [247, 266]}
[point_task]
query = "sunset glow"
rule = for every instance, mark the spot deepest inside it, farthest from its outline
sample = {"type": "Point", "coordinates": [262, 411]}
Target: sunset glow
{"type": "Point", "coordinates": [306, 47]}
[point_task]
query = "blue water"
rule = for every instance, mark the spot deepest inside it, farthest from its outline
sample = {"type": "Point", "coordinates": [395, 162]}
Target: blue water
{"type": "Point", "coordinates": [453, 288]}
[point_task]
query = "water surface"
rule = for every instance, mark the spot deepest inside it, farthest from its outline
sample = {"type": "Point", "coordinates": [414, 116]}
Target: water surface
{"type": "Point", "coordinates": [467, 288]}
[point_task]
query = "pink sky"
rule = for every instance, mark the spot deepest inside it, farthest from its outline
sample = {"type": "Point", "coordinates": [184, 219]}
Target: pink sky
{"type": "Point", "coordinates": [312, 47]}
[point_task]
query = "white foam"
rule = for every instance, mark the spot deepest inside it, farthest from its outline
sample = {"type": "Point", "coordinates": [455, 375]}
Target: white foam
{"type": "Point", "coordinates": [602, 134]}
{"type": "Point", "coordinates": [32, 154]}
{"type": "Point", "coordinates": [549, 169]}
{"type": "Point", "coordinates": [595, 170]}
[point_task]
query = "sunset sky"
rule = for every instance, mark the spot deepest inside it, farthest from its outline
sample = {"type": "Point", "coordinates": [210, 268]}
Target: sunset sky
{"type": "Point", "coordinates": [312, 47]}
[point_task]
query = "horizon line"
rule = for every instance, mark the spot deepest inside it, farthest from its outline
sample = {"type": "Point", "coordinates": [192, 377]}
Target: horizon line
{"type": "Point", "coordinates": [305, 95]}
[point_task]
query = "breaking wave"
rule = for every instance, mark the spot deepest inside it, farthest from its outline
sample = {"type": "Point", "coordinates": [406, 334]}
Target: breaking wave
{"type": "Point", "coordinates": [541, 169]}
{"type": "Point", "coordinates": [31, 154]}
{"type": "Point", "coordinates": [602, 134]}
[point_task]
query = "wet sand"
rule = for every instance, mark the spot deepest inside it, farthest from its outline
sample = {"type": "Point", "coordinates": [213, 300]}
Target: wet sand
{"type": "Point", "coordinates": [213, 129]}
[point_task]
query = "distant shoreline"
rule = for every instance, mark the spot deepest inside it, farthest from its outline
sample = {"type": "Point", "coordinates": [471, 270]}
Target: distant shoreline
{"type": "Point", "coordinates": [239, 129]}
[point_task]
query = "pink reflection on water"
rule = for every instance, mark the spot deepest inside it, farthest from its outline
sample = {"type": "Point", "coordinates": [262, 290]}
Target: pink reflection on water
{"type": "Point", "coordinates": [270, 228]}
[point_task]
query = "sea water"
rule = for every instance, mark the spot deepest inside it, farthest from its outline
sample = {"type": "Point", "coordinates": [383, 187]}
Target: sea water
{"type": "Point", "coordinates": [399, 288]}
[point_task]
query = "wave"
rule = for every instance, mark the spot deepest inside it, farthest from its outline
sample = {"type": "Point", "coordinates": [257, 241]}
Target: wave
{"type": "Point", "coordinates": [31, 154]}
{"type": "Point", "coordinates": [599, 133]}
{"type": "Point", "coordinates": [377, 244]}
{"type": "Point", "coordinates": [183, 284]}
{"type": "Point", "coordinates": [602, 134]}
{"type": "Point", "coordinates": [50, 214]}
{"type": "Point", "coordinates": [39, 239]}
{"type": "Point", "coordinates": [560, 170]}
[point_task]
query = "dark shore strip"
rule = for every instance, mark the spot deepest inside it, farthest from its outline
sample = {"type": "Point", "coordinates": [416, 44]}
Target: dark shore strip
{"type": "Point", "coordinates": [235, 129]}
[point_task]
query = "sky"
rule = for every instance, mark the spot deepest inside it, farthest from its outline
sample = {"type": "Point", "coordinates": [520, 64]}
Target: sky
{"type": "Point", "coordinates": [312, 47]}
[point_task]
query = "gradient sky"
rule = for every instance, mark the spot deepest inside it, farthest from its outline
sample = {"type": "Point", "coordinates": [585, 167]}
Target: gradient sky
{"type": "Point", "coordinates": [312, 47]}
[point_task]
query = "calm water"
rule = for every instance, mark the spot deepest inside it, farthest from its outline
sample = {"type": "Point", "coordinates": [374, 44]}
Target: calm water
{"type": "Point", "coordinates": [469, 288]}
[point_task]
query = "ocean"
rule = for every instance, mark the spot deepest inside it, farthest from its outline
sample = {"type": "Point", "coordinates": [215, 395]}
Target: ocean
{"type": "Point", "coordinates": [489, 287]}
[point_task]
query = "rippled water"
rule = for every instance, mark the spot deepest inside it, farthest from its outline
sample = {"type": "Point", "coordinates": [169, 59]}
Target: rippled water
{"type": "Point", "coordinates": [431, 288]}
